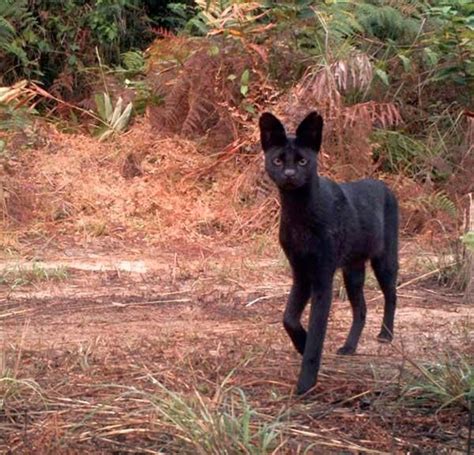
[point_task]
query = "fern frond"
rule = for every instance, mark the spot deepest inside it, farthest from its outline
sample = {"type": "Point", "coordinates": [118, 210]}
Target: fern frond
{"type": "Point", "coordinates": [176, 104]}
{"type": "Point", "coordinates": [320, 88]}
{"type": "Point", "coordinates": [441, 201]}
{"type": "Point", "coordinates": [191, 105]}
{"type": "Point", "coordinates": [381, 115]}
{"type": "Point", "coordinates": [354, 72]}
{"type": "Point", "coordinates": [199, 114]}
{"type": "Point", "coordinates": [134, 61]}
{"type": "Point", "coordinates": [385, 22]}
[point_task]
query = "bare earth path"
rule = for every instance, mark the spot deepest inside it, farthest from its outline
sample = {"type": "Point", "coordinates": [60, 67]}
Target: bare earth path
{"type": "Point", "coordinates": [86, 354]}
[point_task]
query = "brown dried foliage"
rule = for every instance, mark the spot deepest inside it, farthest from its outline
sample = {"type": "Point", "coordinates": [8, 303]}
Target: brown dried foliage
{"type": "Point", "coordinates": [201, 88]}
{"type": "Point", "coordinates": [211, 184]}
{"type": "Point", "coordinates": [347, 128]}
{"type": "Point", "coordinates": [141, 185]}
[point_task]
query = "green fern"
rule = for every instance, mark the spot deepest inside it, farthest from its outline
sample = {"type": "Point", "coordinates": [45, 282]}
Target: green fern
{"type": "Point", "coordinates": [386, 22]}
{"type": "Point", "coordinates": [134, 62]}
{"type": "Point", "coordinates": [439, 200]}
{"type": "Point", "coordinates": [400, 153]}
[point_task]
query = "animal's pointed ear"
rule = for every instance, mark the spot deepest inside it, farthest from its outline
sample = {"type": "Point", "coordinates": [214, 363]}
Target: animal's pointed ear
{"type": "Point", "coordinates": [309, 133]}
{"type": "Point", "coordinates": [272, 132]}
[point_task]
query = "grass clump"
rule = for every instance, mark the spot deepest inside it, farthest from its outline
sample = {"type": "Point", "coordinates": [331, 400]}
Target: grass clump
{"type": "Point", "coordinates": [14, 389]}
{"type": "Point", "coordinates": [447, 383]}
{"type": "Point", "coordinates": [224, 425]}
{"type": "Point", "coordinates": [37, 273]}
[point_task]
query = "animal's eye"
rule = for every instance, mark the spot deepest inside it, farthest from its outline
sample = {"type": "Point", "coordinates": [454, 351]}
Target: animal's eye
{"type": "Point", "coordinates": [303, 162]}
{"type": "Point", "coordinates": [277, 162]}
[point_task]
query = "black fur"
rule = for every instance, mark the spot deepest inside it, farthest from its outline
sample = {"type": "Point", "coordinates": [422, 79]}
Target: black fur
{"type": "Point", "coordinates": [324, 226]}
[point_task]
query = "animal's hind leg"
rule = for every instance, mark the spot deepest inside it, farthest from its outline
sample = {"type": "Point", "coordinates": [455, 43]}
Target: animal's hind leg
{"type": "Point", "coordinates": [354, 277]}
{"type": "Point", "coordinates": [385, 269]}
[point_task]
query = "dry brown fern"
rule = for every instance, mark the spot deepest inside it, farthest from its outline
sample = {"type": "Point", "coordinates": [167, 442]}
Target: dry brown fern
{"type": "Point", "coordinates": [190, 105]}
{"type": "Point", "coordinates": [63, 85]}
{"type": "Point", "coordinates": [381, 115]}
{"type": "Point", "coordinates": [347, 128]}
{"type": "Point", "coordinates": [355, 72]}
{"type": "Point", "coordinates": [177, 105]}
{"type": "Point", "coordinates": [203, 98]}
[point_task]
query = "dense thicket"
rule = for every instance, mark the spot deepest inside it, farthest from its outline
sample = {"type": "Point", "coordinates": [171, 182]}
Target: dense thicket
{"type": "Point", "coordinates": [49, 39]}
{"type": "Point", "coordinates": [394, 79]}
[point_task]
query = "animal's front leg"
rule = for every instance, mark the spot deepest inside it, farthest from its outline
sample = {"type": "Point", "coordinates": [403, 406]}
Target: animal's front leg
{"type": "Point", "coordinates": [299, 295]}
{"type": "Point", "coordinates": [318, 320]}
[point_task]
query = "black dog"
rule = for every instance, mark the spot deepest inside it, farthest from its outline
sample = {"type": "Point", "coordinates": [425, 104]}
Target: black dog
{"type": "Point", "coordinates": [323, 226]}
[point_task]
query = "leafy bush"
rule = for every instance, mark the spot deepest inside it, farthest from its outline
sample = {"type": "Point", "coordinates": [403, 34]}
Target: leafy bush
{"type": "Point", "coordinates": [19, 34]}
{"type": "Point", "coordinates": [53, 41]}
{"type": "Point", "coordinates": [451, 44]}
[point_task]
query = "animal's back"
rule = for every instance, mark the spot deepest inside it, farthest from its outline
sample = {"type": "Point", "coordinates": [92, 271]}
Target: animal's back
{"type": "Point", "coordinates": [372, 218]}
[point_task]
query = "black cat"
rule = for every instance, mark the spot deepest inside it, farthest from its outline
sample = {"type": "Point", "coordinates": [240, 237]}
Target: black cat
{"type": "Point", "coordinates": [323, 226]}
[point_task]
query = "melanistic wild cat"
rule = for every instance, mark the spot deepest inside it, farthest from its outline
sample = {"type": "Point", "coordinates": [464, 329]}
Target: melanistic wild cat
{"type": "Point", "coordinates": [324, 226]}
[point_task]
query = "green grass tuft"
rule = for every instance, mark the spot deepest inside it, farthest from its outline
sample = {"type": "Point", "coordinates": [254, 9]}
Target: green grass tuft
{"type": "Point", "coordinates": [24, 276]}
{"type": "Point", "coordinates": [446, 383]}
{"type": "Point", "coordinates": [227, 424]}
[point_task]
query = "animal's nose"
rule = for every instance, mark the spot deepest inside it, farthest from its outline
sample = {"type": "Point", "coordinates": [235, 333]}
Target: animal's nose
{"type": "Point", "coordinates": [289, 172]}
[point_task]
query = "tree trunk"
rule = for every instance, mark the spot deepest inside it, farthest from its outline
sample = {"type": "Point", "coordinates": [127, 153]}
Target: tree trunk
{"type": "Point", "coordinates": [469, 263]}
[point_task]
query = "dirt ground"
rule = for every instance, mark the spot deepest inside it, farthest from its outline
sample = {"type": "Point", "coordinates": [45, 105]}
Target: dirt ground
{"type": "Point", "coordinates": [85, 353]}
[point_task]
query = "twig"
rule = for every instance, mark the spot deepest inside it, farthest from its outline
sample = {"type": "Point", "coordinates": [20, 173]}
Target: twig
{"type": "Point", "coordinates": [403, 285]}
{"type": "Point", "coordinates": [150, 302]}
{"type": "Point", "coordinates": [6, 315]}
{"type": "Point", "coordinates": [335, 443]}
{"type": "Point", "coordinates": [265, 297]}
{"type": "Point", "coordinates": [37, 89]}
{"type": "Point", "coordinates": [414, 280]}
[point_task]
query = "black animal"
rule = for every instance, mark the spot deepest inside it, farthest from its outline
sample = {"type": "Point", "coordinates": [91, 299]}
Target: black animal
{"type": "Point", "coordinates": [324, 226]}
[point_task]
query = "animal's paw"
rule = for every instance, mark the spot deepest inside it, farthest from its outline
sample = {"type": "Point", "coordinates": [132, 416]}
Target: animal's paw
{"type": "Point", "coordinates": [346, 350]}
{"type": "Point", "coordinates": [384, 337]}
{"type": "Point", "coordinates": [301, 389]}
{"type": "Point", "coordinates": [304, 387]}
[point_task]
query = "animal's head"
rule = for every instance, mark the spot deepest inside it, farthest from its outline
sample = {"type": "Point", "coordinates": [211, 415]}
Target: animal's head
{"type": "Point", "coordinates": [291, 161]}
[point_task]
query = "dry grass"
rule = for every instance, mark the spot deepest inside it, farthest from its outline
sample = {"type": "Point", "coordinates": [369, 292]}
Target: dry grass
{"type": "Point", "coordinates": [222, 395]}
{"type": "Point", "coordinates": [191, 171]}
{"type": "Point", "coordinates": [154, 188]}
{"type": "Point", "coordinates": [170, 189]}
{"type": "Point", "coordinates": [174, 360]}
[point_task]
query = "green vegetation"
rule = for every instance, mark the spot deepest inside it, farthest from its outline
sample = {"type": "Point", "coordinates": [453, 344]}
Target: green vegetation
{"type": "Point", "coordinates": [228, 425]}
{"type": "Point", "coordinates": [55, 42]}
{"type": "Point", "coordinates": [419, 58]}
{"type": "Point", "coordinates": [13, 388]}
{"type": "Point", "coordinates": [115, 119]}
{"type": "Point", "coordinates": [449, 382]}
{"type": "Point", "coordinates": [468, 240]}
{"type": "Point", "coordinates": [24, 276]}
